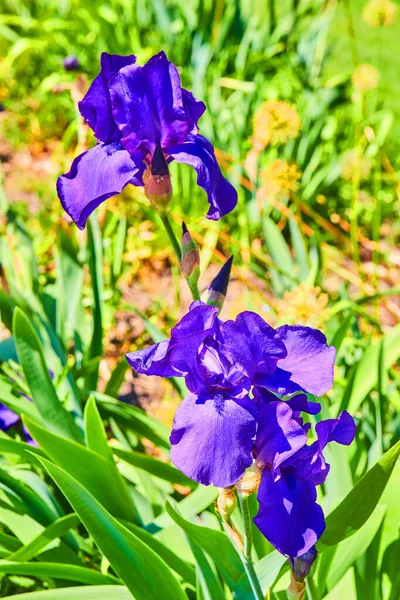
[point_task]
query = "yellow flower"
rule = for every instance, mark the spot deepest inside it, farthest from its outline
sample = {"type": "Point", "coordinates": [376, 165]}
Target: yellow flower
{"type": "Point", "coordinates": [355, 164]}
{"type": "Point", "coordinates": [365, 77]}
{"type": "Point", "coordinates": [275, 122]}
{"type": "Point", "coordinates": [281, 178]}
{"type": "Point", "coordinates": [305, 305]}
{"type": "Point", "coordinates": [378, 13]}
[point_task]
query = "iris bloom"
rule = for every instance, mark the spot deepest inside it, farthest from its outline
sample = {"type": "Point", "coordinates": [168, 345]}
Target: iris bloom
{"type": "Point", "coordinates": [214, 427]}
{"type": "Point", "coordinates": [289, 515]}
{"type": "Point", "coordinates": [134, 110]}
{"type": "Point", "coordinates": [8, 419]}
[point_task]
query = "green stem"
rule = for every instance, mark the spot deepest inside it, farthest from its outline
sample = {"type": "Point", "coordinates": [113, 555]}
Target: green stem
{"type": "Point", "coordinates": [248, 543]}
{"type": "Point", "coordinates": [172, 237]}
{"type": "Point", "coordinates": [177, 249]}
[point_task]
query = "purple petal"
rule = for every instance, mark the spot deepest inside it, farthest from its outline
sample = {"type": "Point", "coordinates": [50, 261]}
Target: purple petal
{"type": "Point", "coordinates": [195, 108]}
{"type": "Point", "coordinates": [200, 317]}
{"type": "Point", "coordinates": [279, 436]}
{"type": "Point", "coordinates": [341, 430]}
{"type": "Point", "coordinates": [263, 341]}
{"type": "Point", "coordinates": [212, 439]}
{"type": "Point", "coordinates": [95, 108]}
{"type": "Point", "coordinates": [148, 106]}
{"type": "Point", "coordinates": [299, 403]}
{"type": "Point", "coordinates": [95, 175]}
{"type": "Point", "coordinates": [289, 516]}
{"type": "Point", "coordinates": [7, 418]}
{"type": "Point", "coordinates": [154, 360]}
{"type": "Point", "coordinates": [199, 153]}
{"type": "Point", "coordinates": [308, 366]}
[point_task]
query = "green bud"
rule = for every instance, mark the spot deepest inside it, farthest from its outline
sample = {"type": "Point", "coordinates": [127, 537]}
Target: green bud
{"type": "Point", "coordinates": [190, 262]}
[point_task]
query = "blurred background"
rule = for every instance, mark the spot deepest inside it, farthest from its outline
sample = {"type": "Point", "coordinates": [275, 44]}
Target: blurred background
{"type": "Point", "coordinates": [302, 107]}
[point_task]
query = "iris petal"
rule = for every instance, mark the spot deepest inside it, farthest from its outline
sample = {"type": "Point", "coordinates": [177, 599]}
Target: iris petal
{"type": "Point", "coordinates": [95, 108]}
{"type": "Point", "coordinates": [96, 175]}
{"type": "Point", "coordinates": [289, 515]}
{"type": "Point", "coordinates": [197, 152]}
{"type": "Point", "coordinates": [212, 439]}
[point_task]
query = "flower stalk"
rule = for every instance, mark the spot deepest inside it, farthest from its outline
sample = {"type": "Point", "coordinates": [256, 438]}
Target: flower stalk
{"type": "Point", "coordinates": [247, 548]}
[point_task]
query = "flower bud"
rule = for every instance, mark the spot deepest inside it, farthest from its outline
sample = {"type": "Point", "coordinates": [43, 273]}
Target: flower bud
{"type": "Point", "coordinates": [226, 502]}
{"type": "Point", "coordinates": [250, 481]}
{"type": "Point", "coordinates": [71, 63]}
{"type": "Point", "coordinates": [301, 565]}
{"type": "Point", "coordinates": [296, 590]}
{"type": "Point", "coordinates": [190, 262]}
{"type": "Point", "coordinates": [157, 181]}
{"type": "Point", "coordinates": [219, 285]}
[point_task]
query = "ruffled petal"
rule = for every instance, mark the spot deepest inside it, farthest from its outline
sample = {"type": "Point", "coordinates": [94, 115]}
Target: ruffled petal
{"type": "Point", "coordinates": [148, 106]}
{"type": "Point", "coordinates": [263, 341]}
{"type": "Point", "coordinates": [308, 366]}
{"type": "Point", "coordinates": [212, 439]}
{"type": "Point", "coordinates": [154, 360]}
{"type": "Point", "coordinates": [279, 436]}
{"type": "Point", "coordinates": [200, 317]}
{"type": "Point", "coordinates": [199, 153]}
{"type": "Point", "coordinates": [289, 516]}
{"type": "Point", "coordinates": [95, 107]}
{"type": "Point", "coordinates": [341, 430]}
{"type": "Point", "coordinates": [96, 175]}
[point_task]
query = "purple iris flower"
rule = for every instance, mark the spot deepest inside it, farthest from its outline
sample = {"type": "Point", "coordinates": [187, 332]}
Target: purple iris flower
{"type": "Point", "coordinates": [214, 427]}
{"type": "Point", "coordinates": [289, 515]}
{"type": "Point", "coordinates": [134, 110]}
{"type": "Point", "coordinates": [8, 419]}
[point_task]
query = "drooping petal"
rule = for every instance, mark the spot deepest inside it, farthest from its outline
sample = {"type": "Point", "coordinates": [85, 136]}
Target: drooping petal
{"type": "Point", "coordinates": [7, 418]}
{"type": "Point", "coordinates": [308, 365]}
{"type": "Point", "coordinates": [289, 515]}
{"type": "Point", "coordinates": [279, 436]}
{"type": "Point", "coordinates": [199, 153]}
{"type": "Point", "coordinates": [96, 175]}
{"type": "Point", "coordinates": [212, 439]}
{"type": "Point", "coordinates": [148, 106]}
{"type": "Point", "coordinates": [154, 360]}
{"type": "Point", "coordinates": [95, 107]}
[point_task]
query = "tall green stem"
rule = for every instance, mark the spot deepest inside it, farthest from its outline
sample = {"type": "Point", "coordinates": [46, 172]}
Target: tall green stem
{"type": "Point", "coordinates": [172, 237]}
{"type": "Point", "coordinates": [247, 546]}
{"type": "Point", "coordinates": [194, 290]}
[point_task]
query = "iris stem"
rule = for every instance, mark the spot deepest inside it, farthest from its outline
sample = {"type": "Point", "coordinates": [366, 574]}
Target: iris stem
{"type": "Point", "coordinates": [194, 290]}
{"type": "Point", "coordinates": [172, 237]}
{"type": "Point", "coordinates": [247, 546]}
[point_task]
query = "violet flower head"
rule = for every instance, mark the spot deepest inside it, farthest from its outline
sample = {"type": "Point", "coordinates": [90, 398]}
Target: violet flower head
{"type": "Point", "coordinates": [135, 111]}
{"type": "Point", "coordinates": [289, 515]}
{"type": "Point", "coordinates": [228, 367]}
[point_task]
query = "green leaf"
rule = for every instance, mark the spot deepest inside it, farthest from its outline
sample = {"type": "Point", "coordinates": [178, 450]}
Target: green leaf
{"type": "Point", "coordinates": [134, 419]}
{"type": "Point", "coordinates": [300, 249]}
{"type": "Point", "coordinates": [359, 504]}
{"type": "Point", "coordinates": [34, 506]}
{"type": "Point", "coordinates": [30, 354]}
{"type": "Point", "coordinates": [116, 592]}
{"type": "Point", "coordinates": [93, 471]}
{"type": "Point", "coordinates": [335, 561]}
{"type": "Point", "coordinates": [56, 530]}
{"type": "Point", "coordinates": [96, 437]}
{"type": "Point", "coordinates": [154, 467]}
{"type": "Point", "coordinates": [215, 543]}
{"type": "Point", "coordinates": [210, 584]}
{"type": "Point", "coordinates": [366, 373]}
{"type": "Point", "coordinates": [95, 258]}
{"type": "Point", "coordinates": [184, 569]}
{"type": "Point", "coordinates": [139, 567]}
{"type": "Point", "coordinates": [25, 451]}
{"type": "Point", "coordinates": [279, 252]}
{"type": "Point", "coordinates": [56, 571]}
